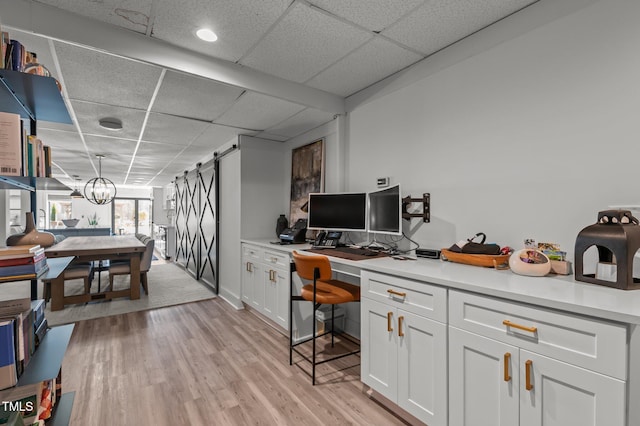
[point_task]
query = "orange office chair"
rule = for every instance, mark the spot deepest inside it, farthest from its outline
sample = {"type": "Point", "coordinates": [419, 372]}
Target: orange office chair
{"type": "Point", "coordinates": [322, 291]}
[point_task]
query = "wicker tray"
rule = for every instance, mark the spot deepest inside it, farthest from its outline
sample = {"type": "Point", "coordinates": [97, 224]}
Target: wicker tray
{"type": "Point", "coordinates": [498, 261]}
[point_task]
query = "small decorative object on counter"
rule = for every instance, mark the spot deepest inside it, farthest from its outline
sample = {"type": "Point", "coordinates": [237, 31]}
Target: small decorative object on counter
{"type": "Point", "coordinates": [471, 247]}
{"type": "Point", "coordinates": [616, 235]}
{"type": "Point", "coordinates": [477, 254]}
{"type": "Point", "coordinates": [281, 224]}
{"type": "Point", "coordinates": [530, 262]}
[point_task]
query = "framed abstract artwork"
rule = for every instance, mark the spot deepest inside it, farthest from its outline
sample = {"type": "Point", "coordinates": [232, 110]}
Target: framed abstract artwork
{"type": "Point", "coordinates": [307, 176]}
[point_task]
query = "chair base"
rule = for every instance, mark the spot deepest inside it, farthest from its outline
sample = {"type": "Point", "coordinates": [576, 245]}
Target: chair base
{"type": "Point", "coordinates": [313, 360]}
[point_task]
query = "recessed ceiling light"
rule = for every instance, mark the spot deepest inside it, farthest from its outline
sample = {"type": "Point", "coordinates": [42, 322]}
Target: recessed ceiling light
{"type": "Point", "coordinates": [206, 34]}
{"type": "Point", "coordinates": [111, 123]}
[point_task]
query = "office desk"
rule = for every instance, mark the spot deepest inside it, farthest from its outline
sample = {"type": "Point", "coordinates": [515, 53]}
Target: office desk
{"type": "Point", "coordinates": [458, 322]}
{"type": "Point", "coordinates": [88, 249]}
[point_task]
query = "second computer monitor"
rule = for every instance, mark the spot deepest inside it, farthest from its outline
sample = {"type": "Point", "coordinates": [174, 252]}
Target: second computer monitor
{"type": "Point", "coordinates": [385, 211]}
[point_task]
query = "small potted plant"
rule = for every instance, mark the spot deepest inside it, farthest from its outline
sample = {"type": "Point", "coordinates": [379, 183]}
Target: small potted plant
{"type": "Point", "coordinates": [93, 220]}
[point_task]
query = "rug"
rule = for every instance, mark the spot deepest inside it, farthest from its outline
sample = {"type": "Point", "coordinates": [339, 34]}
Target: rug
{"type": "Point", "coordinates": [169, 285]}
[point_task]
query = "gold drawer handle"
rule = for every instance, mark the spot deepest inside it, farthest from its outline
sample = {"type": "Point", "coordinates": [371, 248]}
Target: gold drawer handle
{"type": "Point", "coordinates": [396, 293]}
{"type": "Point", "coordinates": [527, 366]}
{"type": "Point", "coordinates": [507, 359]}
{"type": "Point", "coordinates": [520, 327]}
{"type": "Point", "coordinates": [389, 315]}
{"type": "Point", "coordinates": [400, 332]}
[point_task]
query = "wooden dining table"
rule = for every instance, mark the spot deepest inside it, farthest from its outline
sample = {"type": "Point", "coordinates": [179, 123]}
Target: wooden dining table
{"type": "Point", "coordinates": [90, 249]}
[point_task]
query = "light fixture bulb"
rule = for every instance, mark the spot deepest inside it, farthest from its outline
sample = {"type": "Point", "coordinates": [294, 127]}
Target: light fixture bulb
{"type": "Point", "coordinates": [207, 35]}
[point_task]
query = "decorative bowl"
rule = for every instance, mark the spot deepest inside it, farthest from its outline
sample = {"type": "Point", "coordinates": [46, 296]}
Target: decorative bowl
{"type": "Point", "coordinates": [70, 223]}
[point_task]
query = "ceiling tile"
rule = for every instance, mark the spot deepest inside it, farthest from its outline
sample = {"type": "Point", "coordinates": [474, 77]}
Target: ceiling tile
{"type": "Point", "coordinates": [91, 76]}
{"type": "Point", "coordinates": [216, 135]}
{"type": "Point", "coordinates": [375, 15]}
{"type": "Point", "coordinates": [303, 121]}
{"type": "Point", "coordinates": [117, 152]}
{"type": "Point", "coordinates": [172, 130]}
{"type": "Point", "coordinates": [157, 155]}
{"type": "Point", "coordinates": [89, 114]}
{"type": "Point", "coordinates": [129, 14]}
{"type": "Point", "coordinates": [189, 96]}
{"type": "Point", "coordinates": [256, 111]}
{"type": "Point", "coordinates": [303, 43]}
{"type": "Point", "coordinates": [239, 24]}
{"type": "Point", "coordinates": [439, 23]}
{"type": "Point", "coordinates": [57, 139]}
{"type": "Point", "coordinates": [369, 64]}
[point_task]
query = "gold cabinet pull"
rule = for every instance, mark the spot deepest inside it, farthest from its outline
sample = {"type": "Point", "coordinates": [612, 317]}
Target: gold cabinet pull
{"type": "Point", "coordinates": [249, 267]}
{"type": "Point", "coordinates": [396, 293]}
{"type": "Point", "coordinates": [400, 332]}
{"type": "Point", "coordinates": [507, 359]}
{"type": "Point", "coordinates": [520, 327]}
{"type": "Point", "coordinates": [527, 365]}
{"type": "Point", "coordinates": [272, 275]}
{"type": "Point", "coordinates": [389, 315]}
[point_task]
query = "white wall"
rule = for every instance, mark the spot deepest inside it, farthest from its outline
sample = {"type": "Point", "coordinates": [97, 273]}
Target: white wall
{"type": "Point", "coordinates": [229, 256]}
{"type": "Point", "coordinates": [528, 138]}
{"type": "Point", "coordinates": [263, 178]}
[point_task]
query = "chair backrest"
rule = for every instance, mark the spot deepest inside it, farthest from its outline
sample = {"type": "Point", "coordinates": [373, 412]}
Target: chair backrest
{"type": "Point", "coordinates": [305, 265]}
{"type": "Point", "coordinates": [147, 256]}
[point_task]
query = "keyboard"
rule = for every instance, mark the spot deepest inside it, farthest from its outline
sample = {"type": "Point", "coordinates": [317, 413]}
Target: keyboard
{"type": "Point", "coordinates": [358, 251]}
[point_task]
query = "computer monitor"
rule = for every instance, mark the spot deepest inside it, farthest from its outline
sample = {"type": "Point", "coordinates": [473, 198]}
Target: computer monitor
{"type": "Point", "coordinates": [338, 211]}
{"type": "Point", "coordinates": [385, 211]}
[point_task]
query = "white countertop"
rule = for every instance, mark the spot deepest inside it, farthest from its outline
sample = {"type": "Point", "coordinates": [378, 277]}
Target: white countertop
{"type": "Point", "coordinates": [559, 292]}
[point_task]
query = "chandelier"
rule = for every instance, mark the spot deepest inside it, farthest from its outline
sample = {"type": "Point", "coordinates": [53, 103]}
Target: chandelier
{"type": "Point", "coordinates": [76, 193]}
{"type": "Point", "coordinates": [99, 190]}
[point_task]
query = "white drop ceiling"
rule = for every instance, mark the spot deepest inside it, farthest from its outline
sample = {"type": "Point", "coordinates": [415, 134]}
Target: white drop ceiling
{"type": "Point", "coordinates": [326, 50]}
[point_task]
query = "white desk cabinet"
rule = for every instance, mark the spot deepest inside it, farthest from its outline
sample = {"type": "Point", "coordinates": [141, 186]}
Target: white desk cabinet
{"type": "Point", "coordinates": [541, 367]}
{"type": "Point", "coordinates": [404, 355]}
{"type": "Point", "coordinates": [265, 283]}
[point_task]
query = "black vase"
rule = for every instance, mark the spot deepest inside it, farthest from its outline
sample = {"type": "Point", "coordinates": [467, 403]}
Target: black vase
{"type": "Point", "coordinates": [281, 224]}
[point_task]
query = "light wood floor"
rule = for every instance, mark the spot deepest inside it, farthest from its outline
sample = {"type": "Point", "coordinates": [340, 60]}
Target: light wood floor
{"type": "Point", "coordinates": [205, 364]}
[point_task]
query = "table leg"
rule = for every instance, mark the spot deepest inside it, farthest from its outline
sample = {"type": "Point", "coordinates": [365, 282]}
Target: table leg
{"type": "Point", "coordinates": [57, 293]}
{"type": "Point", "coordinates": [134, 267]}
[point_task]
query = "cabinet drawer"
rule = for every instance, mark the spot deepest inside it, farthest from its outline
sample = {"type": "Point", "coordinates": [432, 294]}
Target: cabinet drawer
{"type": "Point", "coordinates": [420, 298]}
{"type": "Point", "coordinates": [586, 342]}
{"type": "Point", "coordinates": [252, 253]}
{"type": "Point", "coordinates": [275, 258]}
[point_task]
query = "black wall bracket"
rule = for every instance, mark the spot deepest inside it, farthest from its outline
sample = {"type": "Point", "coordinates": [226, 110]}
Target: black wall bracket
{"type": "Point", "coordinates": [426, 207]}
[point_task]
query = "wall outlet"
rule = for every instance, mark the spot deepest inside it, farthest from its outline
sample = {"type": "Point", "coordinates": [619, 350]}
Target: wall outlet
{"type": "Point", "coordinates": [383, 181]}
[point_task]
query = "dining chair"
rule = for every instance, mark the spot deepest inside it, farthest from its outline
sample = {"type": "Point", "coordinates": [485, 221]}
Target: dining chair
{"type": "Point", "coordinates": [117, 268]}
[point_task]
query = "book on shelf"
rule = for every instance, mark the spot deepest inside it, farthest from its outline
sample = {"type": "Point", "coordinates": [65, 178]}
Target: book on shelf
{"type": "Point", "coordinates": [23, 336]}
{"type": "Point", "coordinates": [29, 268]}
{"type": "Point", "coordinates": [10, 144]}
{"type": "Point", "coordinates": [8, 371]}
{"type": "Point", "coordinates": [47, 161]}
{"type": "Point", "coordinates": [37, 306]}
{"type": "Point", "coordinates": [16, 256]}
{"type": "Point", "coordinates": [12, 261]}
{"type": "Point", "coordinates": [40, 332]}
{"type": "Point", "coordinates": [14, 306]}
{"type": "Point", "coordinates": [21, 249]}
{"type": "Point", "coordinates": [4, 40]}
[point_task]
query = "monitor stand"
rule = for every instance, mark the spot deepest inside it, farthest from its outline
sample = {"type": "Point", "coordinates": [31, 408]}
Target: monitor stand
{"type": "Point", "coordinates": [377, 246]}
